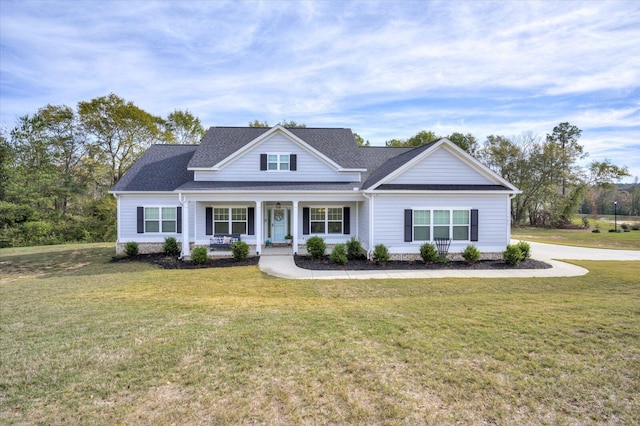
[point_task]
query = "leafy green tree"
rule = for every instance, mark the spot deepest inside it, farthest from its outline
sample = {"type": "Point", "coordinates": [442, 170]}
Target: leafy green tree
{"type": "Point", "coordinates": [467, 142]}
{"type": "Point", "coordinates": [258, 123]}
{"type": "Point", "coordinates": [423, 137]}
{"type": "Point", "coordinates": [118, 133]}
{"type": "Point", "coordinates": [185, 128]}
{"type": "Point", "coordinates": [360, 141]}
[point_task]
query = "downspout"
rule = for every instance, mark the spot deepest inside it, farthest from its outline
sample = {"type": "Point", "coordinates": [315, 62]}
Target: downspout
{"type": "Point", "coordinates": [371, 222]}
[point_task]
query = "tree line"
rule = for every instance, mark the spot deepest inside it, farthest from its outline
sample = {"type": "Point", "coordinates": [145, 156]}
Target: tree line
{"type": "Point", "coordinates": [57, 165]}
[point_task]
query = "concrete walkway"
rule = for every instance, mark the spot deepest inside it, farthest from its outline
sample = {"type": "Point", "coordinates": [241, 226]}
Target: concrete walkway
{"type": "Point", "coordinates": [284, 266]}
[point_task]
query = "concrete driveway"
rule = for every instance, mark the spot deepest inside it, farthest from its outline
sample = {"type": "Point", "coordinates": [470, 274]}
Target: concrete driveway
{"type": "Point", "coordinates": [285, 267]}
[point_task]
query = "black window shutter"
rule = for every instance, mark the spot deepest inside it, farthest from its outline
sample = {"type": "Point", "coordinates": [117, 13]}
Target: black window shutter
{"type": "Point", "coordinates": [179, 220]}
{"type": "Point", "coordinates": [474, 225]}
{"type": "Point", "coordinates": [305, 220]}
{"type": "Point", "coordinates": [209, 221]}
{"type": "Point", "coordinates": [408, 225]}
{"type": "Point", "coordinates": [140, 220]}
{"type": "Point", "coordinates": [263, 161]}
{"type": "Point", "coordinates": [293, 162]}
{"type": "Point", "coordinates": [251, 221]}
{"type": "Point", "coordinates": [346, 220]}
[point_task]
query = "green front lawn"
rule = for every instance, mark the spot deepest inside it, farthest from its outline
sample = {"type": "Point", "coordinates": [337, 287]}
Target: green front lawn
{"type": "Point", "coordinates": [85, 341]}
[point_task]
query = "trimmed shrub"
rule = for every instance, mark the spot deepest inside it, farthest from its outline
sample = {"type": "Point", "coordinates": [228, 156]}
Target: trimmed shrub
{"type": "Point", "coordinates": [512, 255]}
{"type": "Point", "coordinates": [525, 249]}
{"type": "Point", "coordinates": [624, 226]}
{"type": "Point", "coordinates": [316, 247]}
{"type": "Point", "coordinates": [635, 227]}
{"type": "Point", "coordinates": [428, 252]}
{"type": "Point", "coordinates": [354, 249]}
{"type": "Point", "coordinates": [240, 250]}
{"type": "Point", "coordinates": [131, 248]}
{"type": "Point", "coordinates": [199, 255]}
{"type": "Point", "coordinates": [471, 254]}
{"type": "Point", "coordinates": [380, 254]}
{"type": "Point", "coordinates": [170, 247]}
{"type": "Point", "coordinates": [339, 254]}
{"type": "Point", "coordinates": [596, 231]}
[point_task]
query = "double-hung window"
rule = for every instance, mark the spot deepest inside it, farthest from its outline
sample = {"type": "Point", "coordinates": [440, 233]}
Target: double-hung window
{"type": "Point", "coordinates": [277, 161]}
{"type": "Point", "coordinates": [441, 223]}
{"type": "Point", "coordinates": [326, 220]}
{"type": "Point", "coordinates": [160, 219]}
{"type": "Point", "coordinates": [230, 220]}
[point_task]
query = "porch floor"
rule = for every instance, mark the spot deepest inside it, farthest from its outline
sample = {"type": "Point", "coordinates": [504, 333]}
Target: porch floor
{"type": "Point", "coordinates": [266, 251]}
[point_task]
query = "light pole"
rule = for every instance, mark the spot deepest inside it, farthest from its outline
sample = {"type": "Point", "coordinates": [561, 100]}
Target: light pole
{"type": "Point", "coordinates": [615, 216]}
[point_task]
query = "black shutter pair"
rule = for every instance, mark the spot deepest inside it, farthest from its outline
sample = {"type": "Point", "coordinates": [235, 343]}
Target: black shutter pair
{"type": "Point", "coordinates": [408, 225]}
{"type": "Point", "coordinates": [141, 220]}
{"type": "Point", "coordinates": [293, 162]}
{"type": "Point", "coordinates": [346, 220]}
{"type": "Point", "coordinates": [251, 221]}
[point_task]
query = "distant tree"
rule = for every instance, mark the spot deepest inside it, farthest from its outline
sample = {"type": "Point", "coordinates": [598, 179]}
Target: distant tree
{"type": "Point", "coordinates": [185, 128]}
{"type": "Point", "coordinates": [118, 133]}
{"type": "Point", "coordinates": [467, 142]}
{"type": "Point", "coordinates": [421, 138]}
{"type": "Point", "coordinates": [258, 123]}
{"type": "Point", "coordinates": [292, 124]}
{"type": "Point", "coordinates": [6, 159]}
{"type": "Point", "coordinates": [360, 141]}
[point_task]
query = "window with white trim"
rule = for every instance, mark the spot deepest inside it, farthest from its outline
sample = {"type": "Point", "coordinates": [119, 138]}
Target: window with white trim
{"type": "Point", "coordinates": [326, 220]}
{"type": "Point", "coordinates": [441, 223]}
{"type": "Point", "coordinates": [278, 161]}
{"type": "Point", "coordinates": [230, 218]}
{"type": "Point", "coordinates": [160, 219]}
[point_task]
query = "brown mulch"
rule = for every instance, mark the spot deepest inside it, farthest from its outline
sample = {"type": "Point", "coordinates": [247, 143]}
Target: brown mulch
{"type": "Point", "coordinates": [364, 265]}
{"type": "Point", "coordinates": [168, 262]}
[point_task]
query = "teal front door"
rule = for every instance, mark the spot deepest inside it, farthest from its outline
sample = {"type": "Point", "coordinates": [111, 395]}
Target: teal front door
{"type": "Point", "coordinates": [279, 222]}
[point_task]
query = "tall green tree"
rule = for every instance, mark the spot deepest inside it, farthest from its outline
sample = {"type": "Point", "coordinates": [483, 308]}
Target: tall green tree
{"type": "Point", "coordinates": [423, 137]}
{"type": "Point", "coordinates": [185, 128]}
{"type": "Point", "coordinates": [360, 141]}
{"type": "Point", "coordinates": [467, 142]}
{"type": "Point", "coordinates": [118, 132]}
{"type": "Point", "coordinates": [258, 123]}
{"type": "Point", "coordinates": [566, 136]}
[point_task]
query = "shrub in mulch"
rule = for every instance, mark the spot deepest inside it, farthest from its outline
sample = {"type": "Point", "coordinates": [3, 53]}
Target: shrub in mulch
{"type": "Point", "coordinates": [169, 262]}
{"type": "Point", "coordinates": [365, 265]}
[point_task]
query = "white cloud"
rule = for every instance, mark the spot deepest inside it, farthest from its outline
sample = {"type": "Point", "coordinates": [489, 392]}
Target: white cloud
{"type": "Point", "coordinates": [386, 69]}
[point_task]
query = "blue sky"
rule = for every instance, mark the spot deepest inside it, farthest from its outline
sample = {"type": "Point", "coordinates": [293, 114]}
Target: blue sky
{"type": "Point", "coordinates": [384, 69]}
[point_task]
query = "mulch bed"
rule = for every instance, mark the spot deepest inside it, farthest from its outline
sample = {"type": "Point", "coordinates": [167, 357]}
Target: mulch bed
{"type": "Point", "coordinates": [168, 262]}
{"type": "Point", "coordinates": [364, 265]}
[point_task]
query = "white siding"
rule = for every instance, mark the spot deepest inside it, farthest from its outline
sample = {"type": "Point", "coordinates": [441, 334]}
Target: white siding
{"type": "Point", "coordinates": [247, 166]}
{"type": "Point", "coordinates": [128, 216]}
{"type": "Point", "coordinates": [441, 167]}
{"type": "Point", "coordinates": [493, 220]}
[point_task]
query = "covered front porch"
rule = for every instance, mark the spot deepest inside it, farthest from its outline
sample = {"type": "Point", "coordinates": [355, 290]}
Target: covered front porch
{"type": "Point", "coordinates": [269, 223]}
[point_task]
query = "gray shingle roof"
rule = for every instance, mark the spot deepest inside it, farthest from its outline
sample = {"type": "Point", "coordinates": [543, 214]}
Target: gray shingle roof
{"type": "Point", "coordinates": [268, 186]}
{"type": "Point", "coordinates": [164, 167]}
{"type": "Point", "coordinates": [440, 187]}
{"type": "Point", "coordinates": [220, 142]}
{"type": "Point", "coordinates": [160, 168]}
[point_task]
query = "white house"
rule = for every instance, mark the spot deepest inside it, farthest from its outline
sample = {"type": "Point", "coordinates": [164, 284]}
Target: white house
{"type": "Point", "coordinates": [267, 183]}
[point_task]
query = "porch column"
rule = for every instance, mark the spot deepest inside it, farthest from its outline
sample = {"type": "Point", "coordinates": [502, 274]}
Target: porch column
{"type": "Point", "coordinates": [258, 227]}
{"type": "Point", "coordinates": [294, 226]}
{"type": "Point", "coordinates": [185, 227]}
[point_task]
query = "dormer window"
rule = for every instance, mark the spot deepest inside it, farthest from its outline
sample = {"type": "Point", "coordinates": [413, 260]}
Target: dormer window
{"type": "Point", "coordinates": [278, 162]}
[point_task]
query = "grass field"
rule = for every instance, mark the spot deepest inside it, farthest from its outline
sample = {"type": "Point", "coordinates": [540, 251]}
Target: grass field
{"type": "Point", "coordinates": [585, 237]}
{"type": "Point", "coordinates": [85, 341]}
